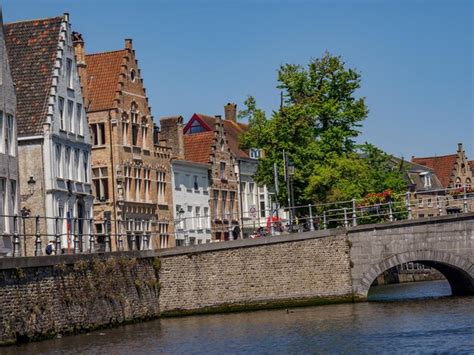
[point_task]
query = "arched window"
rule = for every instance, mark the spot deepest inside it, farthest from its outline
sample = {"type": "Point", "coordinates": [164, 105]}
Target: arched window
{"type": "Point", "coordinates": [135, 123]}
{"type": "Point", "coordinates": [468, 184]}
{"type": "Point", "coordinates": [132, 75]}
{"type": "Point", "coordinates": [458, 182]}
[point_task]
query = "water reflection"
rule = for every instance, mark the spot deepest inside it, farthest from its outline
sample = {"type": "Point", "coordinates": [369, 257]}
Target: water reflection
{"type": "Point", "coordinates": [427, 325]}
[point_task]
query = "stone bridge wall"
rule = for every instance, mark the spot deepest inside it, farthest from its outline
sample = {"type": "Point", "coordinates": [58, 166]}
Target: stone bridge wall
{"type": "Point", "coordinates": [283, 271]}
{"type": "Point", "coordinates": [42, 296]}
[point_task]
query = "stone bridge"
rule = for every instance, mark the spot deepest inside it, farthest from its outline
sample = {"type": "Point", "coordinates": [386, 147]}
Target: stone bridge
{"type": "Point", "coordinates": [312, 267]}
{"type": "Point", "coordinates": [45, 295]}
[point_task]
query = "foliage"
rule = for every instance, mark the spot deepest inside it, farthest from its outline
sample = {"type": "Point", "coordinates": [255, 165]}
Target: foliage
{"type": "Point", "coordinates": [316, 126]}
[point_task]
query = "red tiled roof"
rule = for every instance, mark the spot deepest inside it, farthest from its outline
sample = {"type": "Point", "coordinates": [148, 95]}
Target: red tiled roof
{"type": "Point", "coordinates": [32, 49]}
{"type": "Point", "coordinates": [103, 70]}
{"type": "Point", "coordinates": [471, 165]}
{"type": "Point", "coordinates": [443, 166]}
{"type": "Point", "coordinates": [198, 146]}
{"type": "Point", "coordinates": [232, 129]}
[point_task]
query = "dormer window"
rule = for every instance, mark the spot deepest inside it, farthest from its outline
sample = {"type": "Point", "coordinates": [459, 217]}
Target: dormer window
{"type": "Point", "coordinates": [426, 177]}
{"type": "Point", "coordinates": [255, 153]}
{"type": "Point", "coordinates": [196, 127]}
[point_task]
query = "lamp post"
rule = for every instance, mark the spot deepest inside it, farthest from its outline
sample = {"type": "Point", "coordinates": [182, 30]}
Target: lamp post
{"type": "Point", "coordinates": [25, 213]}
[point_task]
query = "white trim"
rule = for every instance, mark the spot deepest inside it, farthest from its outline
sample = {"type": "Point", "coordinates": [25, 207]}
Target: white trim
{"type": "Point", "coordinates": [28, 138]}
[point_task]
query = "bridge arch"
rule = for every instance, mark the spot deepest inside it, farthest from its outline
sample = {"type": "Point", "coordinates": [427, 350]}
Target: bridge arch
{"type": "Point", "coordinates": [458, 271]}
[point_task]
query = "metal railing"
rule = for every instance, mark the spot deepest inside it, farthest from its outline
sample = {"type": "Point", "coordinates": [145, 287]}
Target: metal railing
{"type": "Point", "coordinates": [36, 236]}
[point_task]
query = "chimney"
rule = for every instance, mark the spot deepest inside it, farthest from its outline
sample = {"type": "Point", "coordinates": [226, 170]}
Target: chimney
{"type": "Point", "coordinates": [80, 52]}
{"type": "Point", "coordinates": [459, 147]}
{"type": "Point", "coordinates": [230, 111]}
{"type": "Point", "coordinates": [128, 43]}
{"type": "Point", "coordinates": [172, 132]}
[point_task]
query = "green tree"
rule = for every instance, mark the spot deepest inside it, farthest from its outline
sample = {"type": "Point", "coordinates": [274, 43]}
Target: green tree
{"type": "Point", "coordinates": [316, 126]}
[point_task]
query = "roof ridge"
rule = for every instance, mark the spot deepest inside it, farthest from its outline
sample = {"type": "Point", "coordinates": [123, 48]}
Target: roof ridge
{"type": "Point", "coordinates": [436, 156]}
{"type": "Point", "coordinates": [33, 20]}
{"type": "Point", "coordinates": [106, 52]}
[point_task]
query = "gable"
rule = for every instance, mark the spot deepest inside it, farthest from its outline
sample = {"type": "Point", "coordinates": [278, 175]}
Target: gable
{"type": "Point", "coordinates": [32, 50]}
{"type": "Point", "coordinates": [198, 123]}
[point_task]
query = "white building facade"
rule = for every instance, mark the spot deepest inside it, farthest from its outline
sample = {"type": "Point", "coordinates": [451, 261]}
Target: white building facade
{"type": "Point", "coordinates": [191, 207]}
{"type": "Point", "coordinates": [8, 151]}
{"type": "Point", "coordinates": [54, 139]}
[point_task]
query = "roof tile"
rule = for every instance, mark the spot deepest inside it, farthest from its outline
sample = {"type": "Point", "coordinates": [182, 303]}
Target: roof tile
{"type": "Point", "coordinates": [443, 166]}
{"type": "Point", "coordinates": [32, 49]}
{"type": "Point", "coordinates": [103, 70]}
{"type": "Point", "coordinates": [198, 146]}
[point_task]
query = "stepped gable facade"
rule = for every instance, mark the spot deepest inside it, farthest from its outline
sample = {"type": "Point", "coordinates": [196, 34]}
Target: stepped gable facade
{"type": "Point", "coordinates": [54, 144]}
{"type": "Point", "coordinates": [131, 170]}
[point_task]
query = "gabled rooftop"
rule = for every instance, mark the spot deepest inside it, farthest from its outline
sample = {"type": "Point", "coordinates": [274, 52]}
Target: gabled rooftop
{"type": "Point", "coordinates": [442, 165]}
{"type": "Point", "coordinates": [32, 49]}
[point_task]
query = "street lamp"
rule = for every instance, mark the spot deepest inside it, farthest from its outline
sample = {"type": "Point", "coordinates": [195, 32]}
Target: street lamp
{"type": "Point", "coordinates": [31, 185]}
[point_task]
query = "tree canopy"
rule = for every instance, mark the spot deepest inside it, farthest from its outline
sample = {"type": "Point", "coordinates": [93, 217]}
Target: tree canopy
{"type": "Point", "coordinates": [317, 125]}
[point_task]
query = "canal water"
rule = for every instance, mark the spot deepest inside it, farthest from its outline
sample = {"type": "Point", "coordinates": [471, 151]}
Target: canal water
{"type": "Point", "coordinates": [429, 322]}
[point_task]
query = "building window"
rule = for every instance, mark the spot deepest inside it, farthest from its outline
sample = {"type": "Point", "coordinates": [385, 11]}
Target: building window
{"type": "Point", "coordinates": [101, 185]}
{"type": "Point", "coordinates": [10, 136]}
{"type": "Point", "coordinates": [426, 180]}
{"type": "Point", "coordinates": [76, 168]}
{"type": "Point", "coordinates": [86, 167]}
{"type": "Point", "coordinates": [161, 186]}
{"type": "Point", "coordinates": [79, 122]}
{"type": "Point", "coordinates": [144, 136]}
{"type": "Point", "coordinates": [196, 127]}
{"type": "Point", "coordinates": [206, 218]}
{"type": "Point", "coordinates": [224, 206]}
{"type": "Point", "coordinates": [147, 182]}
{"type": "Point", "coordinates": [132, 75]}
{"type": "Point", "coordinates": [98, 134]}
{"type": "Point", "coordinates": [138, 185]}
{"type": "Point", "coordinates": [262, 206]}
{"type": "Point", "coordinates": [125, 133]}
{"type": "Point", "coordinates": [3, 204]}
{"type": "Point", "coordinates": [222, 170]}
{"type": "Point", "coordinates": [231, 205]}
{"type": "Point", "coordinates": [135, 126]}
{"type": "Point", "coordinates": [70, 115]}
{"type": "Point", "coordinates": [67, 167]}
{"type": "Point", "coordinates": [61, 113]}
{"type": "Point", "coordinates": [458, 183]}
{"type": "Point", "coordinates": [215, 204]}
{"type": "Point", "coordinates": [468, 184]}
{"type": "Point", "coordinates": [255, 153]}
{"type": "Point", "coordinates": [196, 183]}
{"type": "Point", "coordinates": [69, 73]}
{"type": "Point", "coordinates": [2, 140]}
{"type": "Point", "coordinates": [197, 216]}
{"type": "Point", "coordinates": [59, 167]}
{"type": "Point", "coordinates": [163, 232]}
{"type": "Point", "coordinates": [128, 182]}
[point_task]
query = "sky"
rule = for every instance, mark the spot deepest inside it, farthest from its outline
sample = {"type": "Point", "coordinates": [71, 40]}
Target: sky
{"type": "Point", "coordinates": [415, 56]}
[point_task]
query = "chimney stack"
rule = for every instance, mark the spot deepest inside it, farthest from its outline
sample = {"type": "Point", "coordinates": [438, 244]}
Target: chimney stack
{"type": "Point", "coordinates": [230, 112]}
{"type": "Point", "coordinates": [459, 147]}
{"type": "Point", "coordinates": [128, 43]}
{"type": "Point", "coordinates": [80, 52]}
{"type": "Point", "coordinates": [172, 132]}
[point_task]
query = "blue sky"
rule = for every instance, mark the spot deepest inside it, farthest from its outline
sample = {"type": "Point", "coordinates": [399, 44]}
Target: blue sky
{"type": "Point", "coordinates": [415, 56]}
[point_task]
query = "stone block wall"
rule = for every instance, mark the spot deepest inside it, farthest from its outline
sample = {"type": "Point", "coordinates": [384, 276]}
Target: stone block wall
{"type": "Point", "coordinates": [282, 271]}
{"type": "Point", "coordinates": [74, 294]}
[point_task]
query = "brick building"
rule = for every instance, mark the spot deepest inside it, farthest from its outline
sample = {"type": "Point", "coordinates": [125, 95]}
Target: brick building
{"type": "Point", "coordinates": [53, 137]}
{"type": "Point", "coordinates": [251, 196]}
{"type": "Point", "coordinates": [210, 147]}
{"type": "Point", "coordinates": [437, 173]}
{"type": "Point", "coordinates": [8, 150]}
{"type": "Point", "coordinates": [130, 169]}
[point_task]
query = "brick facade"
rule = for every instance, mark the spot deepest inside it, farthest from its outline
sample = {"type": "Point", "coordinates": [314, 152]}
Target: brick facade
{"type": "Point", "coordinates": [131, 170]}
